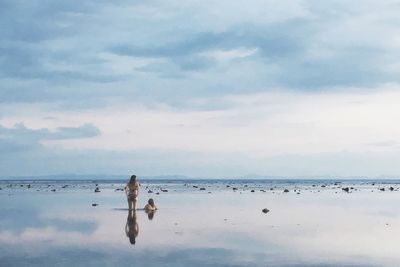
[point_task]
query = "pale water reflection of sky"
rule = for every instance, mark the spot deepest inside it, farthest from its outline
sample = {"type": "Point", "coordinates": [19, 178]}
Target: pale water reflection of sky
{"type": "Point", "coordinates": [222, 228]}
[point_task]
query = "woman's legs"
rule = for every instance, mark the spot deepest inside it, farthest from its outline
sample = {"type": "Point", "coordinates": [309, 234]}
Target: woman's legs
{"type": "Point", "coordinates": [129, 203]}
{"type": "Point", "coordinates": [135, 203]}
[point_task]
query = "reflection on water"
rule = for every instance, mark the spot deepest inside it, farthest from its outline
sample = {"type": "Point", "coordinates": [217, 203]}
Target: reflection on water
{"type": "Point", "coordinates": [132, 226]}
{"type": "Point", "coordinates": [150, 214]}
{"type": "Point", "coordinates": [322, 226]}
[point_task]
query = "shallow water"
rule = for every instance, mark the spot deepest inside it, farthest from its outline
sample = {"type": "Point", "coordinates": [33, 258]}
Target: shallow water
{"type": "Point", "coordinates": [218, 226]}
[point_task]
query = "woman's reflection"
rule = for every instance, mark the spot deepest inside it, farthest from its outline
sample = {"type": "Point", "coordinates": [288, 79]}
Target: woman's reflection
{"type": "Point", "coordinates": [132, 227]}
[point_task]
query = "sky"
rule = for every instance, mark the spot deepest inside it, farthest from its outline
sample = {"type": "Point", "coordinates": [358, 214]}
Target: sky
{"type": "Point", "coordinates": [282, 88]}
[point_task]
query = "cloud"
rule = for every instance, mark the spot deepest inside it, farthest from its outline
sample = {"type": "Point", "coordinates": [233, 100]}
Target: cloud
{"type": "Point", "coordinates": [61, 51]}
{"type": "Point", "coordinates": [20, 138]}
{"type": "Point", "coordinates": [196, 77]}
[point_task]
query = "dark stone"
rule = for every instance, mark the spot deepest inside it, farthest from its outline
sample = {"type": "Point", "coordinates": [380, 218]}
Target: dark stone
{"type": "Point", "coordinates": [164, 190]}
{"type": "Point", "coordinates": [94, 204]}
{"type": "Point", "coordinates": [202, 188]}
{"type": "Point", "coordinates": [346, 189]}
{"type": "Point", "coordinates": [195, 186]}
{"type": "Point", "coordinates": [149, 191]}
{"type": "Point", "coordinates": [53, 190]}
{"type": "Point", "coordinates": [323, 185]}
{"type": "Point", "coordinates": [265, 210]}
{"type": "Point", "coordinates": [382, 189]}
{"type": "Point", "coordinates": [97, 190]}
{"type": "Point", "coordinates": [157, 193]}
{"type": "Point", "coordinates": [391, 188]}
{"type": "Point", "coordinates": [227, 186]}
{"type": "Point", "coordinates": [252, 191]}
{"type": "Point", "coordinates": [234, 188]}
{"type": "Point", "coordinates": [286, 190]}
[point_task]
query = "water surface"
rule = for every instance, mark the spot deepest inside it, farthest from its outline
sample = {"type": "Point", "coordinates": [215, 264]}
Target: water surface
{"type": "Point", "coordinates": [201, 223]}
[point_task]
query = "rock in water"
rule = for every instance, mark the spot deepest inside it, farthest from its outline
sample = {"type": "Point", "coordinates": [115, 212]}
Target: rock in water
{"type": "Point", "coordinates": [94, 204]}
{"type": "Point", "coordinates": [382, 189]}
{"type": "Point", "coordinates": [286, 190]}
{"type": "Point", "coordinates": [346, 189]}
{"type": "Point", "coordinates": [265, 210]}
{"type": "Point", "coordinates": [391, 188]}
{"type": "Point", "coordinates": [149, 191]}
{"type": "Point", "coordinates": [252, 191]}
{"type": "Point", "coordinates": [97, 190]}
{"type": "Point", "coordinates": [202, 188]}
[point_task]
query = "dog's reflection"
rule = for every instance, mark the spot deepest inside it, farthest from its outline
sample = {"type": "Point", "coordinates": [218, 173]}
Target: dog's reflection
{"type": "Point", "coordinates": [150, 214]}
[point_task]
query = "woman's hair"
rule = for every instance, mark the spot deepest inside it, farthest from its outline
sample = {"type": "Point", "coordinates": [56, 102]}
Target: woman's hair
{"type": "Point", "coordinates": [151, 202]}
{"type": "Point", "coordinates": [133, 179]}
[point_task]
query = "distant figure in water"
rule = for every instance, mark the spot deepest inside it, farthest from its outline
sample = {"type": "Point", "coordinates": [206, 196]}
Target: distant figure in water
{"type": "Point", "coordinates": [132, 227]}
{"type": "Point", "coordinates": [132, 192]}
{"type": "Point", "coordinates": [150, 206]}
{"type": "Point", "coordinates": [150, 209]}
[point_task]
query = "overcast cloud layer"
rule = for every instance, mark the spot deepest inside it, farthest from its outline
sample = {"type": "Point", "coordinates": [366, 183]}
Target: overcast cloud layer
{"type": "Point", "coordinates": [200, 88]}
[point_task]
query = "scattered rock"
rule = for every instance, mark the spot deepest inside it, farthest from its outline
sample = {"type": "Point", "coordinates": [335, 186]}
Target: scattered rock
{"type": "Point", "coordinates": [65, 186]}
{"type": "Point", "coordinates": [29, 186]}
{"type": "Point", "coordinates": [323, 185]}
{"type": "Point", "coordinates": [382, 189]}
{"type": "Point", "coordinates": [227, 186]}
{"type": "Point", "coordinates": [346, 189]}
{"type": "Point", "coordinates": [149, 191]}
{"type": "Point", "coordinates": [97, 190]}
{"type": "Point", "coordinates": [195, 186]}
{"type": "Point", "coordinates": [94, 204]}
{"type": "Point", "coordinates": [164, 190]}
{"type": "Point", "coordinates": [252, 191]}
{"type": "Point", "coordinates": [286, 191]}
{"type": "Point", "coordinates": [391, 188]}
{"type": "Point", "coordinates": [53, 190]}
{"type": "Point", "coordinates": [234, 188]}
{"type": "Point", "coordinates": [265, 210]}
{"type": "Point", "coordinates": [202, 188]}
{"type": "Point", "coordinates": [157, 193]}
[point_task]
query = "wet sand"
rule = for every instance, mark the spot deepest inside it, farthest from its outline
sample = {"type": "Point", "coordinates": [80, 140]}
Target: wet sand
{"type": "Point", "coordinates": [201, 223]}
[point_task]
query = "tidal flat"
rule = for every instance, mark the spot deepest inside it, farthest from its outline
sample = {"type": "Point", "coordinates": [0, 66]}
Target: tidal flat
{"type": "Point", "coordinates": [201, 223]}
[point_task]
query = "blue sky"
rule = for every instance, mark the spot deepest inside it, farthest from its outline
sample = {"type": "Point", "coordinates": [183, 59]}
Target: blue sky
{"type": "Point", "coordinates": [200, 88]}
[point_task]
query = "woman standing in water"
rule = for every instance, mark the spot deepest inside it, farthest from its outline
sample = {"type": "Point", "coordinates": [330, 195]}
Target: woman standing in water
{"type": "Point", "coordinates": [132, 192]}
